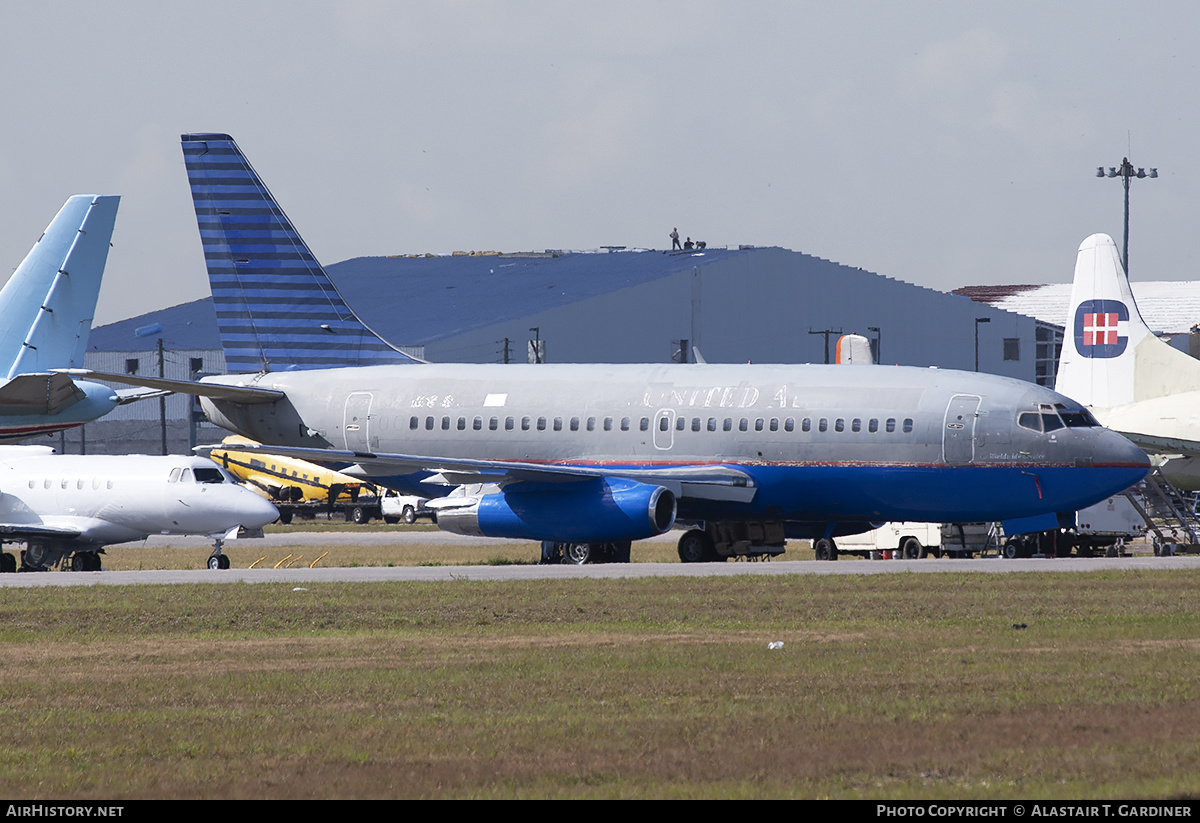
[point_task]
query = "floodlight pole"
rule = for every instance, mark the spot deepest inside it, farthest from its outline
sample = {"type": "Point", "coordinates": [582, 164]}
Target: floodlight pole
{"type": "Point", "coordinates": [1126, 172]}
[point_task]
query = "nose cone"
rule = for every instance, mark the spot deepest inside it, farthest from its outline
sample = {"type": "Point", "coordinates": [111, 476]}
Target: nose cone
{"type": "Point", "coordinates": [1126, 463]}
{"type": "Point", "coordinates": [253, 511]}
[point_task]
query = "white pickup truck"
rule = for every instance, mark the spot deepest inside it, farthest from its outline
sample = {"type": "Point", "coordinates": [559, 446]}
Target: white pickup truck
{"type": "Point", "coordinates": [396, 507]}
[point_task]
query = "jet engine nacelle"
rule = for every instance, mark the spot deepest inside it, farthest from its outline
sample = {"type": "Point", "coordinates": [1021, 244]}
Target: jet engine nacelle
{"type": "Point", "coordinates": [594, 511]}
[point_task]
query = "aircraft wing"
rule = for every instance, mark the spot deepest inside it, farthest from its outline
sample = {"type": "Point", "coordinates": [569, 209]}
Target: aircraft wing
{"type": "Point", "coordinates": [1163, 445]}
{"type": "Point", "coordinates": [33, 530]}
{"type": "Point", "coordinates": [217, 391]}
{"type": "Point", "coordinates": [710, 482]}
{"type": "Point", "coordinates": [39, 393]}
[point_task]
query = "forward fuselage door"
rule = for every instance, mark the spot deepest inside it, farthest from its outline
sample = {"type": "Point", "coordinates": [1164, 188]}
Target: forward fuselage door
{"type": "Point", "coordinates": [664, 429]}
{"type": "Point", "coordinates": [958, 429]}
{"type": "Point", "coordinates": [355, 421]}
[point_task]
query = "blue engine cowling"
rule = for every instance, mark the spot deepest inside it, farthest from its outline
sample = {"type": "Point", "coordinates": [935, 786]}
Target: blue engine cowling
{"type": "Point", "coordinates": [591, 511]}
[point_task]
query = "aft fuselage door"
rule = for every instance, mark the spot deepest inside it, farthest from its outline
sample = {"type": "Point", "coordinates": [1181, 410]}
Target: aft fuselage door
{"type": "Point", "coordinates": [958, 429]}
{"type": "Point", "coordinates": [664, 429]}
{"type": "Point", "coordinates": [355, 421]}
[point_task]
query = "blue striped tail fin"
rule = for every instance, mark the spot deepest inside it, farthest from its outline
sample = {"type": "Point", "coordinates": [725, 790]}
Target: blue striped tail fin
{"type": "Point", "coordinates": [276, 308]}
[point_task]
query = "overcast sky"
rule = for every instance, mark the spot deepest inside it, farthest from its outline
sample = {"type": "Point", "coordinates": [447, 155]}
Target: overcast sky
{"type": "Point", "coordinates": [945, 144]}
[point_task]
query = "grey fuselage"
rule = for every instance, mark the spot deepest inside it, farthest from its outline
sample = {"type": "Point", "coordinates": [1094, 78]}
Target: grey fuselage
{"type": "Point", "coordinates": [822, 443]}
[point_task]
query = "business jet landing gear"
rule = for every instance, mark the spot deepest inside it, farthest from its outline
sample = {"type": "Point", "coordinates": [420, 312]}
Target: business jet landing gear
{"type": "Point", "coordinates": [8, 563]}
{"type": "Point", "coordinates": [216, 560]}
{"type": "Point", "coordinates": [85, 562]}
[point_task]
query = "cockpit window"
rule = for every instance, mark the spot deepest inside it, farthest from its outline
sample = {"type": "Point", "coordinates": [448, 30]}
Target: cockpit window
{"type": "Point", "coordinates": [1051, 421]}
{"type": "Point", "coordinates": [1078, 418]}
{"type": "Point", "coordinates": [212, 475]}
{"type": "Point", "coordinates": [1030, 420]}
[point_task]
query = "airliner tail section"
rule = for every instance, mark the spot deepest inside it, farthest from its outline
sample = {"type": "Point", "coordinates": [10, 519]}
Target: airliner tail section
{"type": "Point", "coordinates": [276, 307]}
{"type": "Point", "coordinates": [49, 302]}
{"type": "Point", "coordinates": [1110, 357]}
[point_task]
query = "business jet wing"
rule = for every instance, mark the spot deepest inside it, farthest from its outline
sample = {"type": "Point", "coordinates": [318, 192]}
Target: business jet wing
{"type": "Point", "coordinates": [38, 530]}
{"type": "Point", "coordinates": [707, 481]}
{"type": "Point", "coordinates": [219, 391]}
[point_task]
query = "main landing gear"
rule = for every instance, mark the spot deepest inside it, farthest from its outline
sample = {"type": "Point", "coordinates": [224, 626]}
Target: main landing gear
{"type": "Point", "coordinates": [577, 554]}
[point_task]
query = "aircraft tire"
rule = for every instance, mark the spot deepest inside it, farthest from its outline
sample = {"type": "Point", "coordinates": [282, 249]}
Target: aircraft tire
{"type": "Point", "coordinates": [912, 549]}
{"type": "Point", "coordinates": [214, 561]}
{"type": "Point", "coordinates": [8, 563]}
{"type": "Point", "coordinates": [223, 561]}
{"type": "Point", "coordinates": [825, 549]}
{"type": "Point", "coordinates": [78, 562]}
{"type": "Point", "coordinates": [1012, 550]}
{"type": "Point", "coordinates": [695, 547]}
{"type": "Point", "coordinates": [577, 554]}
{"type": "Point", "coordinates": [409, 515]}
{"type": "Point", "coordinates": [285, 517]}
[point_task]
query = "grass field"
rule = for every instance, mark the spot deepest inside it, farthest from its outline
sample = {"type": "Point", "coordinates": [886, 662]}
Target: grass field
{"type": "Point", "coordinates": [1077, 685]}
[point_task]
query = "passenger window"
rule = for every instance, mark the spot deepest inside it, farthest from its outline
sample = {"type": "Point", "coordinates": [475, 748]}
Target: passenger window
{"type": "Point", "coordinates": [414, 423]}
{"type": "Point", "coordinates": [63, 483]}
{"type": "Point", "coordinates": [509, 423]}
{"type": "Point", "coordinates": [743, 425]}
{"type": "Point", "coordinates": [525, 424]}
{"type": "Point", "coordinates": [664, 424]}
{"type": "Point", "coordinates": [774, 424]}
{"type": "Point", "coordinates": [79, 483]}
{"type": "Point", "coordinates": [541, 424]}
{"type": "Point", "coordinates": [574, 424]}
{"type": "Point", "coordinates": [494, 424]}
{"type": "Point", "coordinates": [558, 424]}
{"type": "Point", "coordinates": [624, 424]}
{"type": "Point", "coordinates": [908, 425]}
{"type": "Point", "coordinates": [429, 423]}
{"type": "Point", "coordinates": [477, 423]}
{"type": "Point", "coordinates": [712, 424]}
{"type": "Point", "coordinates": [46, 484]}
{"type": "Point", "coordinates": [695, 424]}
{"type": "Point", "coordinates": [758, 424]}
{"type": "Point", "coordinates": [891, 425]}
{"type": "Point", "coordinates": [591, 424]}
{"type": "Point", "coordinates": [873, 426]}
{"type": "Point", "coordinates": [856, 425]}
{"type": "Point", "coordinates": [806, 425]}
{"type": "Point", "coordinates": [728, 424]}
{"type": "Point", "coordinates": [680, 423]}
{"type": "Point", "coordinates": [823, 425]}
{"type": "Point", "coordinates": [608, 421]}
{"type": "Point", "coordinates": [32, 483]}
{"type": "Point", "coordinates": [445, 424]}
{"type": "Point", "coordinates": [789, 425]}
{"type": "Point", "coordinates": [839, 425]}
{"type": "Point", "coordinates": [462, 424]}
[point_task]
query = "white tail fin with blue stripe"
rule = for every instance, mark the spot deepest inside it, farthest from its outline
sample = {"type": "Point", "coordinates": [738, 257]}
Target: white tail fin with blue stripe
{"type": "Point", "coordinates": [276, 308]}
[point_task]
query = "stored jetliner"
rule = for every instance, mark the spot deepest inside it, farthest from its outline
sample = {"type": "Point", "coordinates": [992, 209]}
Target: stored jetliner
{"type": "Point", "coordinates": [73, 506]}
{"type": "Point", "coordinates": [1135, 383]}
{"type": "Point", "coordinates": [587, 458]}
{"type": "Point", "coordinates": [47, 308]}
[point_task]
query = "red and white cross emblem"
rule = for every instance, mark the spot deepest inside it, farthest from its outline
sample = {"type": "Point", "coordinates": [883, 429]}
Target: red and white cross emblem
{"type": "Point", "coordinates": [1100, 329]}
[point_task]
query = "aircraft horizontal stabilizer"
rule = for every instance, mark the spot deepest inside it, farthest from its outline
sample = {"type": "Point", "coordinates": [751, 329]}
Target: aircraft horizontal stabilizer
{"type": "Point", "coordinates": [39, 393]}
{"type": "Point", "coordinates": [217, 391]}
{"type": "Point", "coordinates": [716, 482]}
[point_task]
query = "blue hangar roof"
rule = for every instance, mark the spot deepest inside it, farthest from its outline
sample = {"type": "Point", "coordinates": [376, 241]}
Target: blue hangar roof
{"type": "Point", "coordinates": [450, 294]}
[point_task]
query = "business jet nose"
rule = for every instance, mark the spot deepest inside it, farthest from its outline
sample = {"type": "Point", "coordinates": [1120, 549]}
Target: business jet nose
{"type": "Point", "coordinates": [254, 511]}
